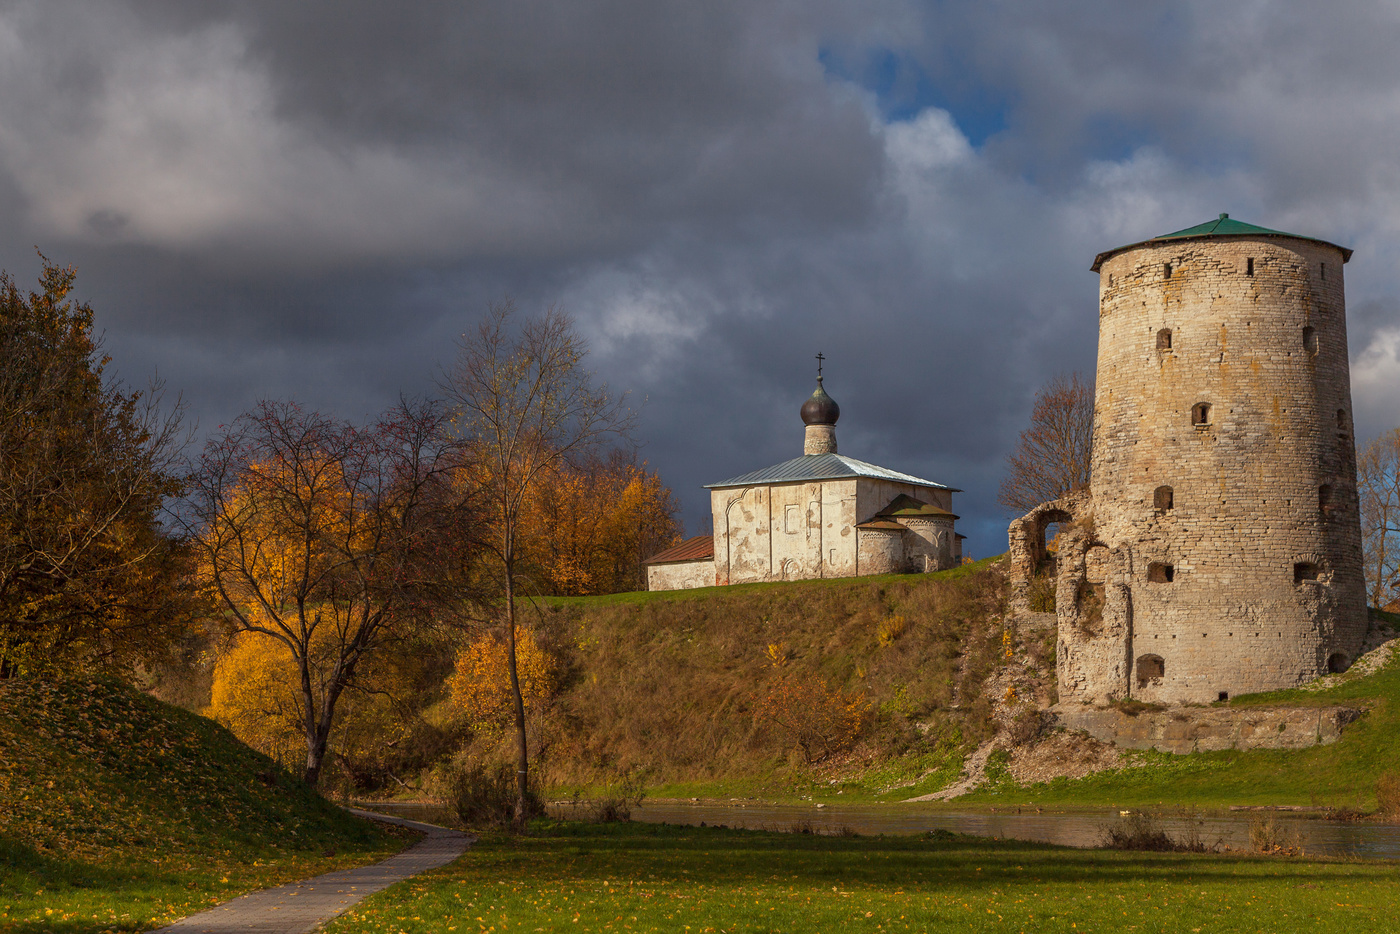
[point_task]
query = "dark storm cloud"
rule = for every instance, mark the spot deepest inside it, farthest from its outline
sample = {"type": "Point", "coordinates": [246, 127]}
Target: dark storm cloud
{"type": "Point", "coordinates": [312, 200]}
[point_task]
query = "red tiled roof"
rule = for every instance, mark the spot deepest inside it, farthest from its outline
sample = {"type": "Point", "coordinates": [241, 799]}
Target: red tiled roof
{"type": "Point", "coordinates": [692, 549]}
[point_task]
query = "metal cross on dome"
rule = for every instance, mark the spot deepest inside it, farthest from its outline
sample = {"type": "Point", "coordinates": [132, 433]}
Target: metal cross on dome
{"type": "Point", "coordinates": [820, 358]}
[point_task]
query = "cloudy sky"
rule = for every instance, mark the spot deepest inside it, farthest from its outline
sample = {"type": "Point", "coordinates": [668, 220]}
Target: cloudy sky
{"type": "Point", "coordinates": [312, 200]}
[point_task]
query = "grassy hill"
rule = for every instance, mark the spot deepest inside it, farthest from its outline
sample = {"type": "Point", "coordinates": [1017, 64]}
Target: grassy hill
{"type": "Point", "coordinates": [680, 684]}
{"type": "Point", "coordinates": [688, 684]}
{"type": "Point", "coordinates": [119, 812]}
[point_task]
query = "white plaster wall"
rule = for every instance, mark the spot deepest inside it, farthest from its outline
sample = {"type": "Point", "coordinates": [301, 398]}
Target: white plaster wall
{"type": "Point", "coordinates": [681, 575]}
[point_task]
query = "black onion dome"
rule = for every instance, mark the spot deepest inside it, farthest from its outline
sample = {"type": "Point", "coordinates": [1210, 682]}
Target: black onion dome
{"type": "Point", "coordinates": [821, 409]}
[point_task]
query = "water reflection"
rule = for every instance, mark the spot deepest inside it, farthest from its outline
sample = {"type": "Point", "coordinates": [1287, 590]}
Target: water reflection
{"type": "Point", "coordinates": [1081, 827]}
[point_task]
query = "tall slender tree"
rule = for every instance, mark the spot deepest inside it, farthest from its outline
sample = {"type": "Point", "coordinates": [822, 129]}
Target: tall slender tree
{"type": "Point", "coordinates": [1052, 456]}
{"type": "Point", "coordinates": [525, 404]}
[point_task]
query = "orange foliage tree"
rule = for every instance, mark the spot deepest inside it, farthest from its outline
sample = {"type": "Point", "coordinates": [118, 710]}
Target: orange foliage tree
{"type": "Point", "coordinates": [588, 528]}
{"type": "Point", "coordinates": [327, 540]}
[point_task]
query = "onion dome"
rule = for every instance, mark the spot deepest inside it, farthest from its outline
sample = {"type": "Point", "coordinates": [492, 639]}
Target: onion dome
{"type": "Point", "coordinates": [820, 409]}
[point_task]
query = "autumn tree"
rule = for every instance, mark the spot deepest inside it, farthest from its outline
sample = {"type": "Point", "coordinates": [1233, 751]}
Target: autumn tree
{"type": "Point", "coordinates": [87, 568]}
{"type": "Point", "coordinates": [1052, 456]}
{"type": "Point", "coordinates": [589, 527]}
{"type": "Point", "coordinates": [1378, 483]}
{"type": "Point", "coordinates": [327, 539]}
{"type": "Point", "coordinates": [525, 405]}
{"type": "Point", "coordinates": [256, 693]}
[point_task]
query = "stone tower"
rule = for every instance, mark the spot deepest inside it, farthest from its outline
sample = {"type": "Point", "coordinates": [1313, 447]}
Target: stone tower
{"type": "Point", "coordinates": [1218, 550]}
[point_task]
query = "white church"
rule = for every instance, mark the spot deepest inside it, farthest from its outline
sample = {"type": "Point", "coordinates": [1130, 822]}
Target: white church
{"type": "Point", "coordinates": [818, 515]}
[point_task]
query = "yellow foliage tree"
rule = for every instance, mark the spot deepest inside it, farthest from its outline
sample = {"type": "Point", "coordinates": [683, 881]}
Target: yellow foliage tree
{"type": "Point", "coordinates": [326, 540]}
{"type": "Point", "coordinates": [589, 528]}
{"type": "Point", "coordinates": [480, 683]}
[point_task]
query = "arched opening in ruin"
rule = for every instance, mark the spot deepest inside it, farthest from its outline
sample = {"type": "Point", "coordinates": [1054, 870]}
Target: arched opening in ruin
{"type": "Point", "coordinates": [1162, 499]}
{"type": "Point", "coordinates": [1044, 563]}
{"type": "Point", "coordinates": [1304, 571]}
{"type": "Point", "coordinates": [1337, 663]}
{"type": "Point", "coordinates": [1200, 413]}
{"type": "Point", "coordinates": [1150, 670]}
{"type": "Point", "coordinates": [1164, 339]}
{"type": "Point", "coordinates": [1159, 572]}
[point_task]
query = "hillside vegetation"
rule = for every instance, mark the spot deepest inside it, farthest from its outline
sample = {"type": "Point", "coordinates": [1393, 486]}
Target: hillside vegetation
{"type": "Point", "coordinates": [766, 688]}
{"type": "Point", "coordinates": [119, 812]}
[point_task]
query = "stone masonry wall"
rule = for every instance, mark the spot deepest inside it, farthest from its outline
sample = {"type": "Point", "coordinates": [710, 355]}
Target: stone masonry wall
{"type": "Point", "coordinates": [1247, 575]}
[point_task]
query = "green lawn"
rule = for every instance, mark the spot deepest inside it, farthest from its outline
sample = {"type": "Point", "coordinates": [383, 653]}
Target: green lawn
{"type": "Point", "coordinates": [120, 813]}
{"type": "Point", "coordinates": [637, 877]}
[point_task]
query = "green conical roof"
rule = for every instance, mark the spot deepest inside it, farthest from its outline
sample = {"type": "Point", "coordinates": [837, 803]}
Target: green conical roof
{"type": "Point", "coordinates": [1222, 226]}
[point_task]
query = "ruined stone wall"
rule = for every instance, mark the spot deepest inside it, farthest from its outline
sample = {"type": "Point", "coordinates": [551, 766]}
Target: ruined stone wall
{"type": "Point", "coordinates": [1247, 575]}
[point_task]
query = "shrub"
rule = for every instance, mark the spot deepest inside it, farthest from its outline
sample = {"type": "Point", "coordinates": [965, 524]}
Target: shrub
{"type": "Point", "coordinates": [891, 628]}
{"type": "Point", "coordinates": [1267, 836]}
{"type": "Point", "coordinates": [1142, 831]}
{"type": "Point", "coordinates": [1042, 594]}
{"type": "Point", "coordinates": [1388, 794]}
{"type": "Point", "coordinates": [484, 796]}
{"type": "Point", "coordinates": [821, 720]}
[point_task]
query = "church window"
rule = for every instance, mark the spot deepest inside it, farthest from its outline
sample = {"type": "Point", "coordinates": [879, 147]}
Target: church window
{"type": "Point", "coordinates": [1150, 668]}
{"type": "Point", "coordinates": [1160, 573]}
{"type": "Point", "coordinates": [1304, 571]}
{"type": "Point", "coordinates": [1200, 413]}
{"type": "Point", "coordinates": [792, 518]}
{"type": "Point", "coordinates": [1162, 498]}
{"type": "Point", "coordinates": [1164, 339]}
{"type": "Point", "coordinates": [1310, 340]}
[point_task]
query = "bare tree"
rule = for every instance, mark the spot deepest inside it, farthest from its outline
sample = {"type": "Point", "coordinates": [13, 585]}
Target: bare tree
{"type": "Point", "coordinates": [1052, 456]}
{"type": "Point", "coordinates": [1378, 483]}
{"type": "Point", "coordinates": [525, 405]}
{"type": "Point", "coordinates": [326, 538]}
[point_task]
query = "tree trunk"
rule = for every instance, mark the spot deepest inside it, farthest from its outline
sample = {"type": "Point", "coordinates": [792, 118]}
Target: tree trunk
{"type": "Point", "coordinates": [522, 755]}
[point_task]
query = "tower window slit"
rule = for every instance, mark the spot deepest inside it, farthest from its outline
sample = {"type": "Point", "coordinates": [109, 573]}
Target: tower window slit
{"type": "Point", "coordinates": [1162, 498]}
{"type": "Point", "coordinates": [1249, 266]}
{"type": "Point", "coordinates": [1166, 270]}
{"type": "Point", "coordinates": [1164, 339]}
{"type": "Point", "coordinates": [1160, 573]}
{"type": "Point", "coordinates": [1310, 340]}
{"type": "Point", "coordinates": [1200, 413]}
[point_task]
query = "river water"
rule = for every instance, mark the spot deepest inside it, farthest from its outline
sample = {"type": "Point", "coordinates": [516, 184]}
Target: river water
{"type": "Point", "coordinates": [1079, 827]}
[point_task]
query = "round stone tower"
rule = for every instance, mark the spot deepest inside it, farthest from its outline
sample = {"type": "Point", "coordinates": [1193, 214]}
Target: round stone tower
{"type": "Point", "coordinates": [1221, 550]}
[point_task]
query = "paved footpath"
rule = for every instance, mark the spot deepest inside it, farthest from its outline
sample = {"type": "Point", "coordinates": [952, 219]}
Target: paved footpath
{"type": "Point", "coordinates": [303, 906]}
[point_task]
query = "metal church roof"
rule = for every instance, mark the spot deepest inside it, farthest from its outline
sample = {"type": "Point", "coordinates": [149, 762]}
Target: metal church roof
{"type": "Point", "coordinates": [1222, 226]}
{"type": "Point", "coordinates": [822, 467]}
